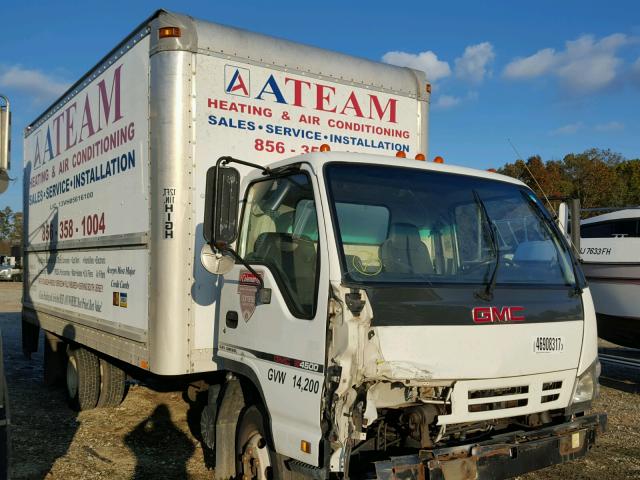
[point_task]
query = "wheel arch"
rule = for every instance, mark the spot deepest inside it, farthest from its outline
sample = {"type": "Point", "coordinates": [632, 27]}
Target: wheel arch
{"type": "Point", "coordinates": [241, 390]}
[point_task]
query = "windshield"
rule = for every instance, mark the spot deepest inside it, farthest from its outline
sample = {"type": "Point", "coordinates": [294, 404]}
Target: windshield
{"type": "Point", "coordinates": [398, 225]}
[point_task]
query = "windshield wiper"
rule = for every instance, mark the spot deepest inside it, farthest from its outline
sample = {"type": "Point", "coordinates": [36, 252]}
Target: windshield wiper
{"type": "Point", "coordinates": [487, 294]}
{"type": "Point", "coordinates": [576, 289]}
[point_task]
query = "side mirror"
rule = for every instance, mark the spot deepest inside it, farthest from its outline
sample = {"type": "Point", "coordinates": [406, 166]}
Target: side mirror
{"type": "Point", "coordinates": [221, 206]}
{"type": "Point", "coordinates": [563, 219]}
{"type": "Point", "coordinates": [569, 222]}
{"type": "Point", "coordinates": [217, 263]}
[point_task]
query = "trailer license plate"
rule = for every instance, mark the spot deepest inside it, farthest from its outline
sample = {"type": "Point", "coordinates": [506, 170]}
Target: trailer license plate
{"type": "Point", "coordinates": [548, 344]}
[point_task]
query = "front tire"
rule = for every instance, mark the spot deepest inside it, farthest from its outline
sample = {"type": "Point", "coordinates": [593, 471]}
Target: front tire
{"type": "Point", "coordinates": [83, 379]}
{"type": "Point", "coordinates": [254, 457]}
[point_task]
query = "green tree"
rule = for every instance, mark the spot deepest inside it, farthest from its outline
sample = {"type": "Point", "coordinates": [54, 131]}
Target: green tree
{"type": "Point", "coordinates": [6, 223]}
{"type": "Point", "coordinates": [16, 229]}
{"type": "Point", "coordinates": [594, 179]}
{"type": "Point", "coordinates": [599, 178]}
{"type": "Point", "coordinates": [11, 226]}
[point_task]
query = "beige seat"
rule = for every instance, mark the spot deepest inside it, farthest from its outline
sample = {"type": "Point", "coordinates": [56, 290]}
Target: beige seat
{"type": "Point", "coordinates": [403, 252]}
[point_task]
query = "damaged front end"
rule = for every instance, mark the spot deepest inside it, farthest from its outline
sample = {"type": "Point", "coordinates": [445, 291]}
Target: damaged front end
{"type": "Point", "coordinates": [372, 405]}
{"type": "Point", "coordinates": [394, 419]}
{"type": "Point", "coordinates": [499, 457]}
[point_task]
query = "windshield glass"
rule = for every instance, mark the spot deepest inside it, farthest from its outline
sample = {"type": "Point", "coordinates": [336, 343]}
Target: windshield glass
{"type": "Point", "coordinates": [404, 225]}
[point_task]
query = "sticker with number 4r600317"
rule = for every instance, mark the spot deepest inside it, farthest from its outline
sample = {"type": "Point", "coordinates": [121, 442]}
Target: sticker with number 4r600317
{"type": "Point", "coordinates": [548, 344]}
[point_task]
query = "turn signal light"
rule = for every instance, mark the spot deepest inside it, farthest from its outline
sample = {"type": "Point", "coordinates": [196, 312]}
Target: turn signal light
{"type": "Point", "coordinates": [401, 154]}
{"type": "Point", "coordinates": [420, 156]}
{"type": "Point", "coordinates": [438, 160]}
{"type": "Point", "coordinates": [325, 148]}
{"type": "Point", "coordinates": [165, 32]}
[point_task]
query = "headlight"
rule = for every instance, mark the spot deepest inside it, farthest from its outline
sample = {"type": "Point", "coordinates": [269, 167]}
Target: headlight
{"type": "Point", "coordinates": [586, 387]}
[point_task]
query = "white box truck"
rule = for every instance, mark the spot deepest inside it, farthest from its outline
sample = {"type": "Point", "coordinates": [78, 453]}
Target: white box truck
{"type": "Point", "coordinates": [231, 207]}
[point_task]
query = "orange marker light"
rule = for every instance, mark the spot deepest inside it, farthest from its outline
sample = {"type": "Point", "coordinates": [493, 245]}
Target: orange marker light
{"type": "Point", "coordinates": [420, 156]}
{"type": "Point", "coordinates": [325, 148]}
{"type": "Point", "coordinates": [428, 88]}
{"type": "Point", "coordinates": [438, 160]}
{"type": "Point", "coordinates": [401, 154]}
{"type": "Point", "coordinates": [492, 170]}
{"type": "Point", "coordinates": [305, 446]}
{"type": "Point", "coordinates": [166, 32]}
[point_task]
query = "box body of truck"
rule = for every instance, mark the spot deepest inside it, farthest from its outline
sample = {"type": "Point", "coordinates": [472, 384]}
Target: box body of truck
{"type": "Point", "coordinates": [422, 317]}
{"type": "Point", "coordinates": [114, 173]}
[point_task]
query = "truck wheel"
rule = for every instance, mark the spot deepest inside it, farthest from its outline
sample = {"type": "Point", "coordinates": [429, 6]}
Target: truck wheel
{"type": "Point", "coordinates": [112, 385]}
{"type": "Point", "coordinates": [83, 379]}
{"type": "Point", "coordinates": [256, 458]}
{"type": "Point", "coordinates": [252, 450]}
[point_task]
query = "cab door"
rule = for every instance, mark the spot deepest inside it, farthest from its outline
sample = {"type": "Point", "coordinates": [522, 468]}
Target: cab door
{"type": "Point", "coordinates": [280, 344]}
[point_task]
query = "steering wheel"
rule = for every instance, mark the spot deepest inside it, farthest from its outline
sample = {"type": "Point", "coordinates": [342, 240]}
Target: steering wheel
{"type": "Point", "coordinates": [363, 265]}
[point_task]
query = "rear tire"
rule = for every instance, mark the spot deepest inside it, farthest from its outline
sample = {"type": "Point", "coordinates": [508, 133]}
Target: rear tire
{"type": "Point", "coordinates": [112, 385]}
{"type": "Point", "coordinates": [83, 379]}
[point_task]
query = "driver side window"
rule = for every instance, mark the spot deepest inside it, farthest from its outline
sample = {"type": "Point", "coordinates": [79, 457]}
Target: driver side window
{"type": "Point", "coordinates": [280, 231]}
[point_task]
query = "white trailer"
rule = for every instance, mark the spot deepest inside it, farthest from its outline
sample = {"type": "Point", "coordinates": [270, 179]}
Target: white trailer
{"type": "Point", "coordinates": [368, 313]}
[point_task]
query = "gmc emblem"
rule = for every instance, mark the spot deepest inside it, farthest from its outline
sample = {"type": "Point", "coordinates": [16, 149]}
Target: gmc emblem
{"type": "Point", "coordinates": [497, 315]}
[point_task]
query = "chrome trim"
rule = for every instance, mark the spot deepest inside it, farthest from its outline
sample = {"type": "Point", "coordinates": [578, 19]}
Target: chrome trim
{"type": "Point", "coordinates": [132, 352]}
{"type": "Point", "coordinates": [171, 146]}
{"type": "Point", "coordinates": [124, 331]}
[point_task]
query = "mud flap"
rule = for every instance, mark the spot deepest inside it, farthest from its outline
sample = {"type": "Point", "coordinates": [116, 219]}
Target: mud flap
{"type": "Point", "coordinates": [30, 335]}
{"type": "Point", "coordinates": [502, 456]}
{"type": "Point", "coordinates": [226, 424]}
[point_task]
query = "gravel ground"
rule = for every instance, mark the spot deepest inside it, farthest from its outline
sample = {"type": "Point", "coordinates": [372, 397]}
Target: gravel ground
{"type": "Point", "coordinates": [149, 435]}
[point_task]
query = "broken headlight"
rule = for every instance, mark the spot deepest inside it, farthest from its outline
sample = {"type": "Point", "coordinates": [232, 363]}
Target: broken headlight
{"type": "Point", "coordinates": [586, 388]}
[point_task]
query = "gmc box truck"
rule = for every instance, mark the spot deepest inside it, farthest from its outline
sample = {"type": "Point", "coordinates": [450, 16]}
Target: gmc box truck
{"type": "Point", "coordinates": [233, 208]}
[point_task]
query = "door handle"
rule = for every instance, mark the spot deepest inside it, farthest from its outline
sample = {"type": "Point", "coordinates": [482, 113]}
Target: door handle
{"type": "Point", "coordinates": [232, 319]}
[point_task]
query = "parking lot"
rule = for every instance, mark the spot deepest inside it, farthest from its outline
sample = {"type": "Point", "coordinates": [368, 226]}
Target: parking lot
{"type": "Point", "coordinates": [153, 433]}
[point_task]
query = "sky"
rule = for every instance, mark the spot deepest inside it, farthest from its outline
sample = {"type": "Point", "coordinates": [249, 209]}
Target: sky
{"type": "Point", "coordinates": [548, 77]}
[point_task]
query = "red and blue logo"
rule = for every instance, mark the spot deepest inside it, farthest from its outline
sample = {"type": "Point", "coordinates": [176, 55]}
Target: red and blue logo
{"type": "Point", "coordinates": [237, 80]}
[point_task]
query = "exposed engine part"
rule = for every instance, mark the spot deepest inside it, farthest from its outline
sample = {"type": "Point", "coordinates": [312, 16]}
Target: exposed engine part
{"type": "Point", "coordinates": [418, 420]}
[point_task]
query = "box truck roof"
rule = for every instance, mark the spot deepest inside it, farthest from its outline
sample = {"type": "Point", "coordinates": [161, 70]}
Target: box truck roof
{"type": "Point", "coordinates": [201, 36]}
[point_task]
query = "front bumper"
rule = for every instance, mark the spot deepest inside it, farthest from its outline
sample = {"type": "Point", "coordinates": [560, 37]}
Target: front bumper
{"type": "Point", "coordinates": [502, 456]}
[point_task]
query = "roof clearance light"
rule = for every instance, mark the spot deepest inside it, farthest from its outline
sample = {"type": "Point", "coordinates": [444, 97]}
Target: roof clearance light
{"type": "Point", "coordinates": [325, 148]}
{"type": "Point", "coordinates": [401, 154]}
{"type": "Point", "coordinates": [428, 88]}
{"type": "Point", "coordinates": [167, 32]}
{"type": "Point", "coordinates": [492, 170]}
{"type": "Point", "coordinates": [420, 156]}
{"type": "Point", "coordinates": [438, 160]}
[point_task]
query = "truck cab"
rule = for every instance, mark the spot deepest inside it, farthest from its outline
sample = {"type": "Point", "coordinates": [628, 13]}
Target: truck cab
{"type": "Point", "coordinates": [397, 312]}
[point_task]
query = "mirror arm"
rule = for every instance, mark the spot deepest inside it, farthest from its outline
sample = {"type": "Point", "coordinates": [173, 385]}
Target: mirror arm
{"type": "Point", "coordinates": [227, 160]}
{"type": "Point", "coordinates": [246, 265]}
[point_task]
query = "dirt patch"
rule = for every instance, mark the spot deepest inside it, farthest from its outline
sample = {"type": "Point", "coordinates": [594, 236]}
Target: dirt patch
{"type": "Point", "coordinates": [148, 436]}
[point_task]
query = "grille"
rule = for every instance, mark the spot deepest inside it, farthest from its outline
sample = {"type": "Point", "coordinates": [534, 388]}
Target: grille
{"type": "Point", "coordinates": [489, 399]}
{"type": "Point", "coordinates": [483, 399]}
{"type": "Point", "coordinates": [498, 392]}
{"type": "Point", "coordinates": [551, 390]}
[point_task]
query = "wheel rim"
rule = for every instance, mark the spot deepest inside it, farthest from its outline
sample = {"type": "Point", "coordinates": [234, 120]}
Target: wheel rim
{"type": "Point", "coordinates": [255, 458]}
{"type": "Point", "coordinates": [72, 377]}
